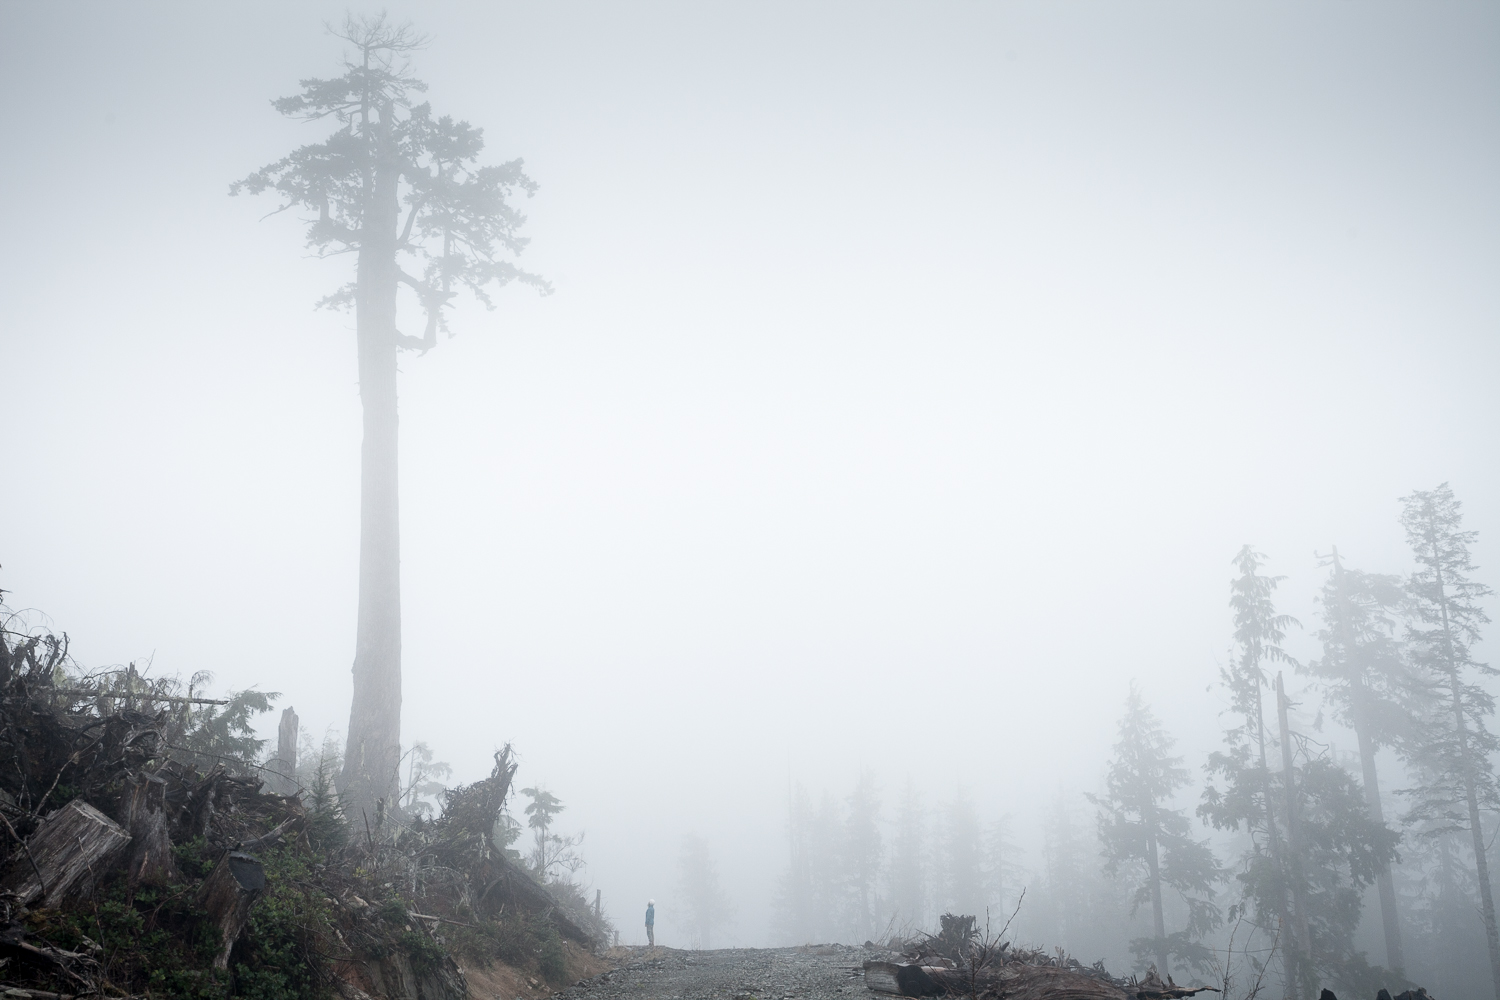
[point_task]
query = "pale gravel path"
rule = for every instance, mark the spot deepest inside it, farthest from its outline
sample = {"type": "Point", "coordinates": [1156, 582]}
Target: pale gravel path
{"type": "Point", "coordinates": [831, 972]}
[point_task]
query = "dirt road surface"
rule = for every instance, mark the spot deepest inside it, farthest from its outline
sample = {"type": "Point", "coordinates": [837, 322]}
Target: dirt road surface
{"type": "Point", "coordinates": [833, 972]}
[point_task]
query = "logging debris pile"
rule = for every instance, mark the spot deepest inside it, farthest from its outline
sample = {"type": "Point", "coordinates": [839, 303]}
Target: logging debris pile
{"type": "Point", "coordinates": [138, 862]}
{"type": "Point", "coordinates": [958, 961]}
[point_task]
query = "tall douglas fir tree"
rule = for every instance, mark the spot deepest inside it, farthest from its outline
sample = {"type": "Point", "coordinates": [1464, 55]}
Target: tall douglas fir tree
{"type": "Point", "coordinates": [399, 188]}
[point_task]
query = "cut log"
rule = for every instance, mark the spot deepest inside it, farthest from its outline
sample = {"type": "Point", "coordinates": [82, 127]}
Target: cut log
{"type": "Point", "coordinates": [66, 856]}
{"type": "Point", "coordinates": [228, 893]}
{"type": "Point", "coordinates": [899, 979]}
{"type": "Point", "coordinates": [1014, 982]}
{"type": "Point", "coordinates": [145, 816]}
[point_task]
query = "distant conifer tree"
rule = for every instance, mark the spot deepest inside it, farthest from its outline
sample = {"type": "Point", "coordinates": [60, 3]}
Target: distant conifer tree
{"type": "Point", "coordinates": [908, 868]}
{"type": "Point", "coordinates": [1365, 677]}
{"type": "Point", "coordinates": [1452, 748]}
{"type": "Point", "coordinates": [1150, 844]}
{"type": "Point", "coordinates": [704, 900]}
{"type": "Point", "coordinates": [863, 856]}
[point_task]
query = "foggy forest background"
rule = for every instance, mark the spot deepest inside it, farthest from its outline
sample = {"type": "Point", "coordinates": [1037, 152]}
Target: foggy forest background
{"type": "Point", "coordinates": [911, 382]}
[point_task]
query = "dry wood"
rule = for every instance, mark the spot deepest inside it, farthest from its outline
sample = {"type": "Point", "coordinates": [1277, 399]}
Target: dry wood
{"type": "Point", "coordinates": [139, 696]}
{"type": "Point", "coordinates": [1011, 982]}
{"type": "Point", "coordinates": [145, 815]}
{"type": "Point", "coordinates": [282, 769]}
{"type": "Point", "coordinates": [66, 855]}
{"type": "Point", "coordinates": [228, 893]}
{"type": "Point", "coordinates": [520, 886]}
{"type": "Point", "coordinates": [275, 837]}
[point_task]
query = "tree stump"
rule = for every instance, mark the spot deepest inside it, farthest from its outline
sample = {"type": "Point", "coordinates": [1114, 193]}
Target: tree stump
{"type": "Point", "coordinates": [145, 816]}
{"type": "Point", "coordinates": [228, 893]}
{"type": "Point", "coordinates": [66, 856]}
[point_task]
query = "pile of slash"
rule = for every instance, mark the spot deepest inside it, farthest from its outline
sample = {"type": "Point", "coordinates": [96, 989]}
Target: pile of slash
{"type": "Point", "coordinates": [959, 962]}
{"type": "Point", "coordinates": [132, 867]}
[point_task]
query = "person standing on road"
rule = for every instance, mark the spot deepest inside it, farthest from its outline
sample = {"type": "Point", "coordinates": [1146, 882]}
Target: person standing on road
{"type": "Point", "coordinates": [651, 923]}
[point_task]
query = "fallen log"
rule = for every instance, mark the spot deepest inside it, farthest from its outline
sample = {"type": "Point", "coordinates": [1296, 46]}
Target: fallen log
{"type": "Point", "coordinates": [66, 855]}
{"type": "Point", "coordinates": [274, 838]}
{"type": "Point", "coordinates": [73, 965]}
{"type": "Point", "coordinates": [228, 893]}
{"type": "Point", "coordinates": [900, 979]}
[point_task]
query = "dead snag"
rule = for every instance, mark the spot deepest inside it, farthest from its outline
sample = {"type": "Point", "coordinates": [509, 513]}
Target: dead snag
{"type": "Point", "coordinates": [227, 894]}
{"type": "Point", "coordinates": [66, 856]}
{"type": "Point", "coordinates": [283, 768]}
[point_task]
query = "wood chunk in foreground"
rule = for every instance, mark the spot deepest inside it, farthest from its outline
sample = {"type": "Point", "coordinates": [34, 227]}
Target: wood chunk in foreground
{"type": "Point", "coordinates": [1014, 982]}
{"type": "Point", "coordinates": [228, 893]}
{"type": "Point", "coordinates": [72, 849]}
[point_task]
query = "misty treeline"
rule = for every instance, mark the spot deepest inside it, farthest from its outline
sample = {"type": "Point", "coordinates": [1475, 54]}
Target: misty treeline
{"type": "Point", "coordinates": [1280, 858]}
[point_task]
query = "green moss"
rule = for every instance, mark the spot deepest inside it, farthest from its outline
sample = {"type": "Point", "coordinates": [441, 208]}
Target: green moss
{"type": "Point", "coordinates": [552, 960]}
{"type": "Point", "coordinates": [281, 959]}
{"type": "Point", "coordinates": [159, 943]}
{"type": "Point", "coordinates": [423, 952]}
{"type": "Point", "coordinates": [529, 944]}
{"type": "Point", "coordinates": [393, 911]}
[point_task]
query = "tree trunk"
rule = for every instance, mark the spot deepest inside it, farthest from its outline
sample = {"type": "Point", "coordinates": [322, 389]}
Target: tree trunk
{"type": "Point", "coordinates": [227, 894]}
{"type": "Point", "coordinates": [373, 753]}
{"type": "Point", "coordinates": [1394, 959]}
{"type": "Point", "coordinates": [1390, 921]}
{"type": "Point", "coordinates": [66, 855]}
{"type": "Point", "coordinates": [1481, 863]}
{"type": "Point", "coordinates": [1283, 925]}
{"type": "Point", "coordinates": [1300, 935]}
{"type": "Point", "coordinates": [1158, 919]}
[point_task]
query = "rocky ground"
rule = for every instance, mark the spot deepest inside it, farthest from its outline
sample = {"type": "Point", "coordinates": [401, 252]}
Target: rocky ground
{"type": "Point", "coordinates": [833, 972]}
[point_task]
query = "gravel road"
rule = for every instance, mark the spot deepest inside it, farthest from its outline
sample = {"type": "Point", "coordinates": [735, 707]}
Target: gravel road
{"type": "Point", "coordinates": [833, 972]}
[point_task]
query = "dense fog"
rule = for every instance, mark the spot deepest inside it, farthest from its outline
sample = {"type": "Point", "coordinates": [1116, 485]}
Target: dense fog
{"type": "Point", "coordinates": [910, 379]}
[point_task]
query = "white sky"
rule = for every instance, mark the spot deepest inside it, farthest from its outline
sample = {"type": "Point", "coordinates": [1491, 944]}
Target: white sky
{"type": "Point", "coordinates": [914, 372]}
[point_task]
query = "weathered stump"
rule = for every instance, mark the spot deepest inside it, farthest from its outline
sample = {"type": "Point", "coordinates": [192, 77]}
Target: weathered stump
{"type": "Point", "coordinates": [228, 893]}
{"type": "Point", "coordinates": [66, 856]}
{"type": "Point", "coordinates": [145, 817]}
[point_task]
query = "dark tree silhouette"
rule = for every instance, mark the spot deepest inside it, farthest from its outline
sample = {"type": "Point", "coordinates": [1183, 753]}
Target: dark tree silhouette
{"type": "Point", "coordinates": [398, 188]}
